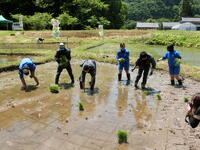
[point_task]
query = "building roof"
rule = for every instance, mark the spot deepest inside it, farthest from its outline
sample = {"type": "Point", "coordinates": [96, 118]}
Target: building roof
{"type": "Point", "coordinates": [170, 24]}
{"type": "Point", "coordinates": [146, 25]}
{"type": "Point", "coordinates": [184, 19]}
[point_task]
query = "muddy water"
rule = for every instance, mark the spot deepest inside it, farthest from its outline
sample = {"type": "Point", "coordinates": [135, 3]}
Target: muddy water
{"type": "Point", "coordinates": [11, 58]}
{"type": "Point", "coordinates": [38, 119]}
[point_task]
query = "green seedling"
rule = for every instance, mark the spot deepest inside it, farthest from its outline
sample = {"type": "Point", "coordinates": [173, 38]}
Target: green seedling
{"type": "Point", "coordinates": [80, 106]}
{"type": "Point", "coordinates": [146, 92]}
{"type": "Point", "coordinates": [53, 88]}
{"type": "Point", "coordinates": [158, 96]}
{"type": "Point", "coordinates": [122, 136]}
{"type": "Point", "coordinates": [186, 99]}
{"type": "Point", "coordinates": [178, 61]}
{"type": "Point", "coordinates": [121, 60]}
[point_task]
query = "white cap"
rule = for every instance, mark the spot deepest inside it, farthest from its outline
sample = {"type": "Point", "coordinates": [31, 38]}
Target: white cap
{"type": "Point", "coordinates": [61, 44]}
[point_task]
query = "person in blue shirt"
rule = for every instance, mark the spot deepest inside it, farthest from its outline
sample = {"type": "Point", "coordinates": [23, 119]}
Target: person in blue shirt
{"type": "Point", "coordinates": [26, 65]}
{"type": "Point", "coordinates": [173, 57]}
{"type": "Point", "coordinates": [123, 61]}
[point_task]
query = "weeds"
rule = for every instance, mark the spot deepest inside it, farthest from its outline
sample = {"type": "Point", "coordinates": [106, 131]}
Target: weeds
{"type": "Point", "coordinates": [122, 136]}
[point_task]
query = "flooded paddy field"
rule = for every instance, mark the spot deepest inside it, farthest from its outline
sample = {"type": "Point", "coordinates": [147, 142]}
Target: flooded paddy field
{"type": "Point", "coordinates": [38, 119]}
{"type": "Point", "coordinates": [190, 56]}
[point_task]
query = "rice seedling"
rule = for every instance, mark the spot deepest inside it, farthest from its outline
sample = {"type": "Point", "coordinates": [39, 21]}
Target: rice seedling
{"type": "Point", "coordinates": [186, 99]}
{"type": "Point", "coordinates": [146, 92]}
{"type": "Point", "coordinates": [158, 96]}
{"type": "Point", "coordinates": [122, 136]}
{"type": "Point", "coordinates": [53, 88]}
{"type": "Point", "coordinates": [80, 106]}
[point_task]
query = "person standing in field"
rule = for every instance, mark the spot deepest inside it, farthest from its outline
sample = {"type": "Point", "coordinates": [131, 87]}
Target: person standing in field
{"type": "Point", "coordinates": [89, 66]}
{"type": "Point", "coordinates": [26, 65]}
{"type": "Point", "coordinates": [123, 61]}
{"type": "Point", "coordinates": [173, 57]}
{"type": "Point", "coordinates": [144, 62]}
{"type": "Point", "coordinates": [193, 114]}
{"type": "Point", "coordinates": [63, 57]}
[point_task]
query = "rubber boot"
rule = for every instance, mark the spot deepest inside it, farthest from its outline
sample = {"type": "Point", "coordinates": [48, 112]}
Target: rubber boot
{"type": "Point", "coordinates": [56, 80]}
{"type": "Point", "coordinates": [143, 86]}
{"type": "Point", "coordinates": [72, 80]}
{"type": "Point", "coordinates": [172, 82]}
{"type": "Point", "coordinates": [180, 82]}
{"type": "Point", "coordinates": [119, 77]}
{"type": "Point", "coordinates": [136, 85]}
{"type": "Point", "coordinates": [128, 76]}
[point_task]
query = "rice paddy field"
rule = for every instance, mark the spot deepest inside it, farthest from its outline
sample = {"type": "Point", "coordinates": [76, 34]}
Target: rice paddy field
{"type": "Point", "coordinates": [115, 116]}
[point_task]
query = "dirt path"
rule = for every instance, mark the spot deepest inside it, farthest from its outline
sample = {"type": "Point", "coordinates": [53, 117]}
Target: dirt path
{"type": "Point", "coordinates": [40, 120]}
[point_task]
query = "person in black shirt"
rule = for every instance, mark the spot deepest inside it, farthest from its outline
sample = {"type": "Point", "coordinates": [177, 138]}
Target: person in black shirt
{"type": "Point", "coordinates": [193, 114]}
{"type": "Point", "coordinates": [63, 57]}
{"type": "Point", "coordinates": [89, 66]}
{"type": "Point", "coordinates": [144, 63]}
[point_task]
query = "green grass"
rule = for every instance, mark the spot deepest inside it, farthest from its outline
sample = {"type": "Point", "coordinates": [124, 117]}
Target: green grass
{"type": "Point", "coordinates": [80, 106]}
{"type": "Point", "coordinates": [122, 136]}
{"type": "Point", "coordinates": [54, 88]}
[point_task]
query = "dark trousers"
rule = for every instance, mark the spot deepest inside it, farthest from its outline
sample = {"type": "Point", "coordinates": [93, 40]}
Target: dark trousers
{"type": "Point", "coordinates": [143, 71]}
{"type": "Point", "coordinates": [93, 79]}
{"type": "Point", "coordinates": [60, 69]}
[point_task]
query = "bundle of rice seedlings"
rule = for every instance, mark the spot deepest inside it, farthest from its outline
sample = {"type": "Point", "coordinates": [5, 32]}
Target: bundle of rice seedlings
{"type": "Point", "coordinates": [122, 136]}
{"type": "Point", "coordinates": [158, 96]}
{"type": "Point", "coordinates": [53, 88]}
{"type": "Point", "coordinates": [186, 99]}
{"type": "Point", "coordinates": [80, 106]}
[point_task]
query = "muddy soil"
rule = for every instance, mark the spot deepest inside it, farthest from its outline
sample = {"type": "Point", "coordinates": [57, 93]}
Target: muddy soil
{"type": "Point", "coordinates": [38, 119]}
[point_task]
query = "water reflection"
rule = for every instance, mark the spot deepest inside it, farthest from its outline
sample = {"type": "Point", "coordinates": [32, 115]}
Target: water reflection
{"type": "Point", "coordinates": [122, 98]}
{"type": "Point", "coordinates": [141, 112]}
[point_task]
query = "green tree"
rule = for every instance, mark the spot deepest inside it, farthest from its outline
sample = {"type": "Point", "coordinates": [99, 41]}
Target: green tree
{"type": "Point", "coordinates": [186, 8]}
{"type": "Point", "coordinates": [67, 21]}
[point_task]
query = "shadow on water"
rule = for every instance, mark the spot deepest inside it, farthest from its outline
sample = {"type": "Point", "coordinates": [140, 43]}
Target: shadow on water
{"type": "Point", "coordinates": [90, 92]}
{"type": "Point", "coordinates": [66, 85]}
{"type": "Point", "coordinates": [30, 88]}
{"type": "Point", "coordinates": [149, 91]}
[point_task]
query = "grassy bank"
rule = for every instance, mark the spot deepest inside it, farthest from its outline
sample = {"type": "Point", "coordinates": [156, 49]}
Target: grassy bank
{"type": "Point", "coordinates": [87, 45]}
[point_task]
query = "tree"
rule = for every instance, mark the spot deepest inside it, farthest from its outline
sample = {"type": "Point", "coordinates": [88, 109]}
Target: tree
{"type": "Point", "coordinates": [116, 13]}
{"type": "Point", "coordinates": [185, 8]}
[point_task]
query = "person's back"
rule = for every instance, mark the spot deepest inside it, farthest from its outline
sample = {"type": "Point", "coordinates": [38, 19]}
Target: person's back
{"type": "Point", "coordinates": [147, 62]}
{"type": "Point", "coordinates": [89, 66]}
{"type": "Point", "coordinates": [171, 56]}
{"type": "Point", "coordinates": [25, 61]}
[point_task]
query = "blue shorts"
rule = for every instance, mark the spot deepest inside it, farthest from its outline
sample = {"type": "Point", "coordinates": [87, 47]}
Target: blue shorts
{"type": "Point", "coordinates": [174, 70]}
{"type": "Point", "coordinates": [123, 65]}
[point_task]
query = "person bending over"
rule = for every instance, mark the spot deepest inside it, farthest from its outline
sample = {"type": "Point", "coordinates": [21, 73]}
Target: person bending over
{"type": "Point", "coordinates": [89, 66]}
{"type": "Point", "coordinates": [26, 65]}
